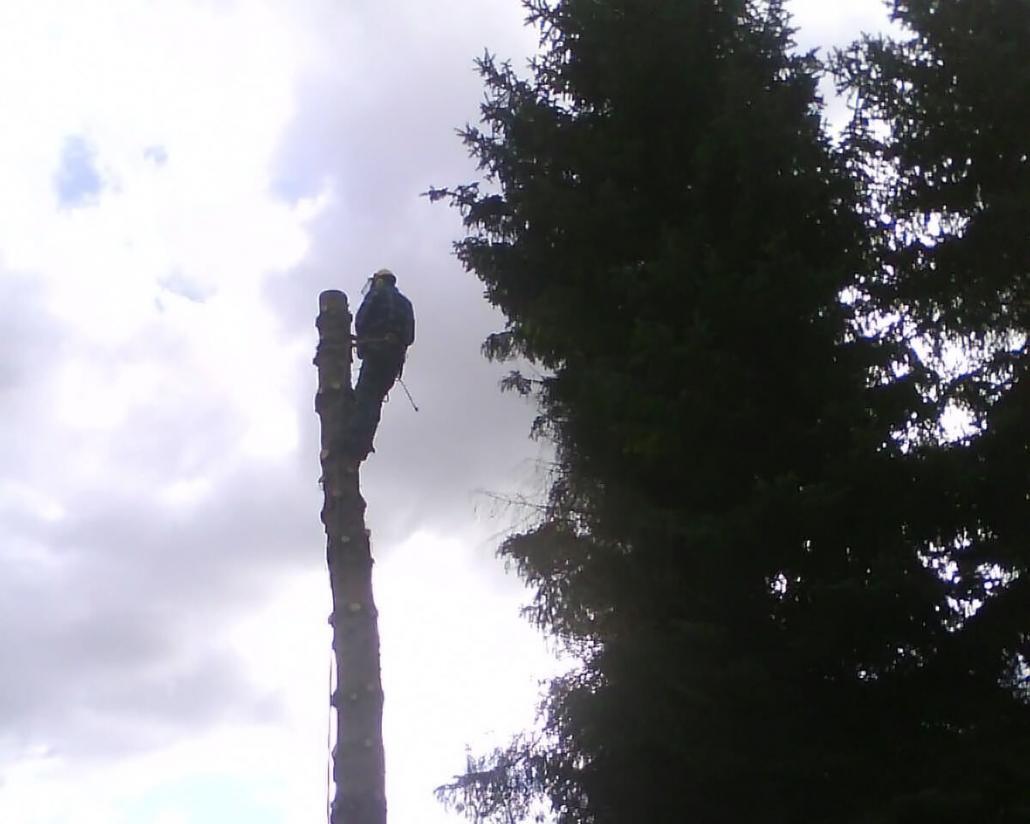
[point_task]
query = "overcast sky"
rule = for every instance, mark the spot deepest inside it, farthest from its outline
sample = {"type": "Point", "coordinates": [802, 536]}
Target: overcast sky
{"type": "Point", "coordinates": [181, 179]}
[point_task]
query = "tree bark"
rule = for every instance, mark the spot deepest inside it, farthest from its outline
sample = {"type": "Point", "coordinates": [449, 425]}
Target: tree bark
{"type": "Point", "coordinates": [358, 758]}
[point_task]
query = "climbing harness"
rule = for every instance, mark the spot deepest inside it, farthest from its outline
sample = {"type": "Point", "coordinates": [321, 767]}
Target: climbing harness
{"type": "Point", "coordinates": [388, 337]}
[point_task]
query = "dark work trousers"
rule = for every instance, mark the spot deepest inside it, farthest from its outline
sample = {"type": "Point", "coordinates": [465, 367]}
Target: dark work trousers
{"type": "Point", "coordinates": [379, 369]}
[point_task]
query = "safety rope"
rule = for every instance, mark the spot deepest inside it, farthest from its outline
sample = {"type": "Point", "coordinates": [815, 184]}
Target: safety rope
{"type": "Point", "coordinates": [329, 748]}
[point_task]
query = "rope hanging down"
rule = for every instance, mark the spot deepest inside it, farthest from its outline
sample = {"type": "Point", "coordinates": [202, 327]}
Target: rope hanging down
{"type": "Point", "coordinates": [329, 747]}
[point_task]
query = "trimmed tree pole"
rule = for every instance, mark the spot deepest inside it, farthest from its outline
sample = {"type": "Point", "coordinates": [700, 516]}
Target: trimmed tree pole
{"type": "Point", "coordinates": [358, 759]}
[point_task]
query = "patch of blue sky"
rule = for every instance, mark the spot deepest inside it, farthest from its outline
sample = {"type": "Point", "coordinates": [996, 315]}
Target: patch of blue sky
{"type": "Point", "coordinates": [178, 284]}
{"type": "Point", "coordinates": [77, 182]}
{"type": "Point", "coordinates": [209, 799]}
{"type": "Point", "coordinates": [157, 154]}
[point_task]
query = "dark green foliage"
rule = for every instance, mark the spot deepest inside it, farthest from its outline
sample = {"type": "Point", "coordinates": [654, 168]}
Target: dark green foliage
{"type": "Point", "coordinates": [740, 541]}
{"type": "Point", "coordinates": [953, 170]}
{"type": "Point", "coordinates": [942, 129]}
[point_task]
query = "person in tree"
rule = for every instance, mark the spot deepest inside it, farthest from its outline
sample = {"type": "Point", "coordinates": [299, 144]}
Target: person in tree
{"type": "Point", "coordinates": [384, 329]}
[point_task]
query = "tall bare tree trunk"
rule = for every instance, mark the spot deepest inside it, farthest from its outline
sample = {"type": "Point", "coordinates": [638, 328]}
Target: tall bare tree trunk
{"type": "Point", "coordinates": [358, 760]}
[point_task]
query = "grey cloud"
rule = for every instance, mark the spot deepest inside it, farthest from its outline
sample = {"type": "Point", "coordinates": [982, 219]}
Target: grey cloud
{"type": "Point", "coordinates": [29, 337]}
{"type": "Point", "coordinates": [108, 615]}
{"type": "Point", "coordinates": [379, 131]}
{"type": "Point", "coordinates": [381, 124]}
{"type": "Point", "coordinates": [114, 618]}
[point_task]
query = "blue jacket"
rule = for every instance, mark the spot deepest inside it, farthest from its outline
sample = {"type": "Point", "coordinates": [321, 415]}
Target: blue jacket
{"type": "Point", "coordinates": [385, 311]}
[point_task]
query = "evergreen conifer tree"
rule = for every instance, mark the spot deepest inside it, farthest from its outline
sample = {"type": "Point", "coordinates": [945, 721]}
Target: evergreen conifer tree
{"type": "Point", "coordinates": [735, 542]}
{"type": "Point", "coordinates": [940, 133]}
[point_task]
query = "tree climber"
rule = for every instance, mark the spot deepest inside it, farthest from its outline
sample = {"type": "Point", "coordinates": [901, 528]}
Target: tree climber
{"type": "Point", "coordinates": [384, 329]}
